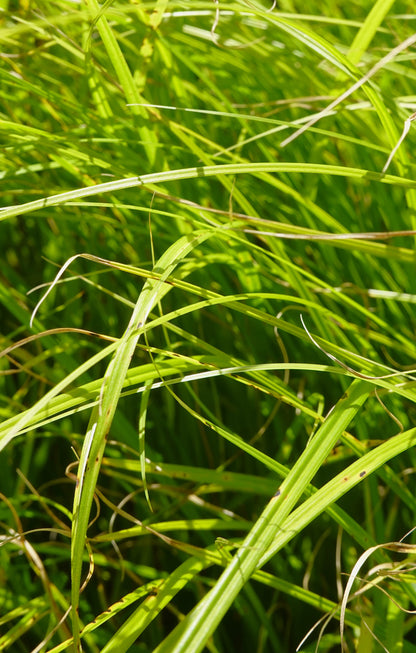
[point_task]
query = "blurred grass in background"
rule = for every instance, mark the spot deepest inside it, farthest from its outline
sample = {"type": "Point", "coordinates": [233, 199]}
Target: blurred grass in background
{"type": "Point", "coordinates": [215, 248]}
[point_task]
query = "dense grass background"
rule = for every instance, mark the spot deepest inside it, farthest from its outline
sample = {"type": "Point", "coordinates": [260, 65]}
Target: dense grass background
{"type": "Point", "coordinates": [234, 316]}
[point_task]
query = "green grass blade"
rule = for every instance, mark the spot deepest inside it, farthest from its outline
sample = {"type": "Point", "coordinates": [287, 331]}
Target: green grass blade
{"type": "Point", "coordinates": [124, 75]}
{"type": "Point", "coordinates": [153, 179]}
{"type": "Point", "coordinates": [189, 636]}
{"type": "Point", "coordinates": [368, 29]}
{"type": "Point", "coordinates": [103, 413]}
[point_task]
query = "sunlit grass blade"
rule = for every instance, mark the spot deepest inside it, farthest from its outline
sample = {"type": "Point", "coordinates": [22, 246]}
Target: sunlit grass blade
{"type": "Point", "coordinates": [212, 608]}
{"type": "Point", "coordinates": [103, 413]}
{"type": "Point", "coordinates": [123, 72]}
{"type": "Point", "coordinates": [368, 30]}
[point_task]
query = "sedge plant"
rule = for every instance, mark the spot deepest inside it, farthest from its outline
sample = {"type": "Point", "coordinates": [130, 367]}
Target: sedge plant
{"type": "Point", "coordinates": [207, 299]}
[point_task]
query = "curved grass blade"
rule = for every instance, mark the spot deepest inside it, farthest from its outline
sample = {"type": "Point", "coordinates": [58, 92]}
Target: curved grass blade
{"type": "Point", "coordinates": [103, 413]}
{"type": "Point", "coordinates": [192, 634]}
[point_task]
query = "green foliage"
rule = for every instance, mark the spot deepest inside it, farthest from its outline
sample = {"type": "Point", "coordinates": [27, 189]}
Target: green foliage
{"type": "Point", "coordinates": [207, 299]}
